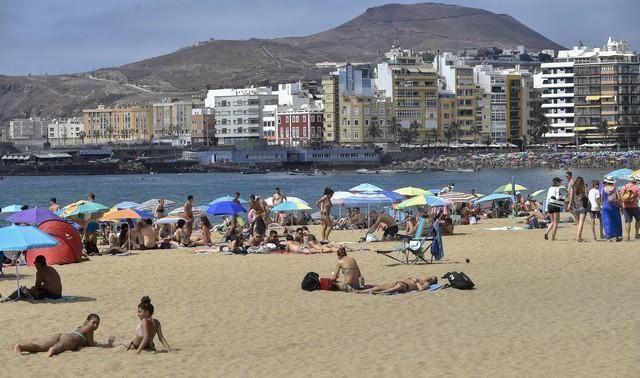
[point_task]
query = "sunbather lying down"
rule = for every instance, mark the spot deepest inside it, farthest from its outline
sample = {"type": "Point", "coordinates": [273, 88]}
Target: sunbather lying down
{"type": "Point", "coordinates": [404, 286]}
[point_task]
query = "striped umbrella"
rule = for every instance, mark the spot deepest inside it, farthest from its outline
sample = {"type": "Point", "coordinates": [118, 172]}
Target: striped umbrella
{"type": "Point", "coordinates": [423, 201]}
{"type": "Point", "coordinates": [458, 197]}
{"type": "Point", "coordinates": [410, 191]}
{"type": "Point", "coordinates": [290, 206]}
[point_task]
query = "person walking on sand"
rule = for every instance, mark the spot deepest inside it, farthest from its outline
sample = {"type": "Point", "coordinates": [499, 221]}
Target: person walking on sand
{"type": "Point", "coordinates": [555, 201]}
{"type": "Point", "coordinates": [596, 205]}
{"type": "Point", "coordinates": [611, 204]}
{"type": "Point", "coordinates": [147, 329]}
{"type": "Point", "coordinates": [82, 336]}
{"type": "Point", "coordinates": [324, 204]}
{"type": "Point", "coordinates": [570, 184]}
{"type": "Point", "coordinates": [579, 202]}
{"type": "Point", "coordinates": [630, 195]}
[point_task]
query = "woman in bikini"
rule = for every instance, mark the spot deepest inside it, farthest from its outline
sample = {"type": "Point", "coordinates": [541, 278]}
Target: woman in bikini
{"type": "Point", "coordinates": [324, 204]}
{"type": "Point", "coordinates": [404, 286]}
{"type": "Point", "coordinates": [205, 232]}
{"type": "Point", "coordinates": [147, 329]}
{"type": "Point", "coordinates": [58, 343]}
{"type": "Point", "coordinates": [350, 272]}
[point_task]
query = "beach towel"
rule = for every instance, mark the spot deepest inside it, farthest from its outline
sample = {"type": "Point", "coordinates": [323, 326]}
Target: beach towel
{"type": "Point", "coordinates": [431, 288]}
{"type": "Point", "coordinates": [505, 228]}
{"type": "Point", "coordinates": [64, 298]}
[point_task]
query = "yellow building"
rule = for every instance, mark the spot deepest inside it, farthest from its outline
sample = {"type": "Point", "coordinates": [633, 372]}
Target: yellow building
{"type": "Point", "coordinates": [358, 113]}
{"type": "Point", "coordinates": [119, 124]}
{"type": "Point", "coordinates": [517, 86]}
{"type": "Point", "coordinates": [446, 114]}
{"type": "Point", "coordinates": [330, 100]}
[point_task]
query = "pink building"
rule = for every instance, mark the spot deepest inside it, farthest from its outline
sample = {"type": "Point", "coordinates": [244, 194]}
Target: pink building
{"type": "Point", "coordinates": [299, 127]}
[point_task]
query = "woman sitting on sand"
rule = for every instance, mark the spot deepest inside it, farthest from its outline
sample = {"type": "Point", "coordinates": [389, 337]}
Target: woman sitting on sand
{"type": "Point", "coordinates": [122, 242]}
{"type": "Point", "coordinates": [205, 232]}
{"type": "Point", "coordinates": [180, 237]}
{"type": "Point", "coordinates": [350, 271]}
{"type": "Point", "coordinates": [60, 342]}
{"type": "Point", "coordinates": [147, 329]}
{"type": "Point", "coordinates": [404, 286]}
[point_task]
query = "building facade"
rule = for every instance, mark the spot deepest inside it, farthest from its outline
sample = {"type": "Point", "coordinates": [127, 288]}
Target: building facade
{"type": "Point", "coordinates": [331, 109]}
{"type": "Point", "coordinates": [607, 95]}
{"type": "Point", "coordinates": [172, 122]}
{"type": "Point", "coordinates": [121, 124]}
{"type": "Point", "coordinates": [365, 119]}
{"type": "Point", "coordinates": [299, 127]}
{"type": "Point", "coordinates": [203, 126]}
{"type": "Point", "coordinates": [269, 122]}
{"type": "Point", "coordinates": [66, 132]}
{"type": "Point", "coordinates": [28, 132]}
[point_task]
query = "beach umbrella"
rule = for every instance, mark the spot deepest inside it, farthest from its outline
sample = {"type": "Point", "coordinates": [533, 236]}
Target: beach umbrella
{"type": "Point", "coordinates": [290, 206]}
{"type": "Point", "coordinates": [410, 191]}
{"type": "Point", "coordinates": [227, 199]}
{"type": "Point", "coordinates": [493, 197]}
{"type": "Point", "coordinates": [225, 208]}
{"type": "Point", "coordinates": [458, 197]}
{"type": "Point", "coordinates": [83, 210]}
{"type": "Point", "coordinates": [126, 205]}
{"type": "Point", "coordinates": [541, 195]}
{"type": "Point", "coordinates": [636, 173]}
{"type": "Point", "coordinates": [366, 188]}
{"type": "Point", "coordinates": [269, 200]}
{"type": "Point", "coordinates": [10, 209]}
{"type": "Point", "coordinates": [621, 174]}
{"type": "Point", "coordinates": [363, 199]}
{"type": "Point", "coordinates": [423, 201]}
{"type": "Point", "coordinates": [115, 214]}
{"type": "Point", "coordinates": [339, 197]}
{"type": "Point", "coordinates": [169, 220]}
{"type": "Point", "coordinates": [149, 205]}
{"type": "Point", "coordinates": [196, 210]}
{"type": "Point", "coordinates": [22, 238]}
{"type": "Point", "coordinates": [508, 188]}
{"type": "Point", "coordinates": [33, 216]}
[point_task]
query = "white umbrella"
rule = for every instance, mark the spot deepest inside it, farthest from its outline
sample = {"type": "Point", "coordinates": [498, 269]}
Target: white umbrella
{"type": "Point", "coordinates": [269, 200]}
{"type": "Point", "coordinates": [149, 205]}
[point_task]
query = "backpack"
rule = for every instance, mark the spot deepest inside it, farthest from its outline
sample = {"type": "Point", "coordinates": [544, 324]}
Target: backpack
{"type": "Point", "coordinates": [628, 196]}
{"type": "Point", "coordinates": [311, 282]}
{"type": "Point", "coordinates": [459, 280]}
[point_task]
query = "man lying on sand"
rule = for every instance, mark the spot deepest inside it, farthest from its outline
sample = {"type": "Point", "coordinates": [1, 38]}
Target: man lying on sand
{"type": "Point", "coordinates": [404, 286]}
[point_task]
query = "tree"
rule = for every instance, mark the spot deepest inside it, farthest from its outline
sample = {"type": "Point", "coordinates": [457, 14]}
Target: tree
{"type": "Point", "coordinates": [476, 133]}
{"type": "Point", "coordinates": [545, 58]}
{"type": "Point", "coordinates": [374, 129]}
{"type": "Point", "coordinates": [525, 57]}
{"type": "Point", "coordinates": [406, 136]}
{"type": "Point", "coordinates": [541, 126]}
{"type": "Point", "coordinates": [627, 122]}
{"type": "Point", "coordinates": [82, 135]}
{"type": "Point", "coordinates": [395, 128]}
{"type": "Point", "coordinates": [451, 132]}
{"type": "Point", "coordinates": [603, 129]}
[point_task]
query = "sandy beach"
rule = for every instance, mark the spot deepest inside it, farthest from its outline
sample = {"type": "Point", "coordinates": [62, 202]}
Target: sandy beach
{"type": "Point", "coordinates": [540, 308]}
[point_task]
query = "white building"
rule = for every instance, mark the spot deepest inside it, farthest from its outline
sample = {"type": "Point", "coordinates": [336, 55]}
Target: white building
{"type": "Point", "coordinates": [28, 132]}
{"type": "Point", "coordinates": [269, 122]}
{"type": "Point", "coordinates": [66, 132]}
{"type": "Point", "coordinates": [557, 96]}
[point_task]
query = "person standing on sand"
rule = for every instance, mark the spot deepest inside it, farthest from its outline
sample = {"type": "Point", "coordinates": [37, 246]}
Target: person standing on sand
{"type": "Point", "coordinates": [188, 215]}
{"type": "Point", "coordinates": [611, 204]}
{"type": "Point", "coordinates": [555, 201]}
{"type": "Point", "coordinates": [570, 184]}
{"type": "Point", "coordinates": [596, 205]}
{"type": "Point", "coordinates": [579, 202]}
{"type": "Point", "coordinates": [630, 208]}
{"type": "Point", "coordinates": [53, 205]}
{"type": "Point", "coordinates": [324, 204]}
{"type": "Point", "coordinates": [278, 197]}
{"type": "Point", "coordinates": [91, 197]}
{"type": "Point", "coordinates": [61, 342]}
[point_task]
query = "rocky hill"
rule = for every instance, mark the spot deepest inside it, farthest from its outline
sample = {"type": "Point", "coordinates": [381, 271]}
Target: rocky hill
{"type": "Point", "coordinates": [220, 63]}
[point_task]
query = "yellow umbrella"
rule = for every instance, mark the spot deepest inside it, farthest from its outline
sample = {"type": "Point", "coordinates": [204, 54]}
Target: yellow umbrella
{"type": "Point", "coordinates": [115, 214]}
{"type": "Point", "coordinates": [507, 188]}
{"type": "Point", "coordinates": [410, 191]}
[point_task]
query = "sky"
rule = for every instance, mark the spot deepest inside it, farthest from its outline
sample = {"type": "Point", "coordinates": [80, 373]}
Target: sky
{"type": "Point", "coordinates": [70, 36]}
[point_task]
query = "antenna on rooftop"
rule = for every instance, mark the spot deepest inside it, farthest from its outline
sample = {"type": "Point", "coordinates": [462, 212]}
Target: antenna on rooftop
{"type": "Point", "coordinates": [395, 37]}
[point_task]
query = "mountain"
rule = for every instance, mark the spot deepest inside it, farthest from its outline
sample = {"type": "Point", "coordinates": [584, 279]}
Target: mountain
{"type": "Point", "coordinates": [223, 63]}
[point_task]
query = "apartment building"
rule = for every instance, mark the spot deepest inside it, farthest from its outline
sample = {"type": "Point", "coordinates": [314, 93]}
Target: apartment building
{"type": "Point", "coordinates": [446, 114]}
{"type": "Point", "coordinates": [240, 113]}
{"type": "Point", "coordinates": [203, 126]}
{"type": "Point", "coordinates": [66, 132]}
{"type": "Point", "coordinates": [299, 126]}
{"type": "Point", "coordinates": [607, 93]}
{"type": "Point", "coordinates": [331, 109]}
{"type": "Point", "coordinates": [359, 113]}
{"type": "Point", "coordinates": [28, 132]}
{"type": "Point", "coordinates": [518, 86]}
{"type": "Point", "coordinates": [119, 124]}
{"type": "Point", "coordinates": [465, 103]}
{"type": "Point", "coordinates": [172, 122]}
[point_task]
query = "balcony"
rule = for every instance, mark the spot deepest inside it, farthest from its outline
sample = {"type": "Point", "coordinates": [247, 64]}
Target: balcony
{"type": "Point", "coordinates": [558, 105]}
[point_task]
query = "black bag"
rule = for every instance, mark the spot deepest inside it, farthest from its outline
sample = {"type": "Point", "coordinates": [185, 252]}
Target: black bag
{"type": "Point", "coordinates": [311, 281]}
{"type": "Point", "coordinates": [459, 280]}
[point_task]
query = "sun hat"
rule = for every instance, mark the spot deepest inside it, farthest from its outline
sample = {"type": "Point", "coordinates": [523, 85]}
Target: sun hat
{"type": "Point", "coordinates": [609, 180]}
{"type": "Point", "coordinates": [634, 178]}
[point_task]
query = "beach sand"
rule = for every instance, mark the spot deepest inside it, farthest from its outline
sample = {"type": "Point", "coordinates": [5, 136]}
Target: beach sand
{"type": "Point", "coordinates": [540, 308]}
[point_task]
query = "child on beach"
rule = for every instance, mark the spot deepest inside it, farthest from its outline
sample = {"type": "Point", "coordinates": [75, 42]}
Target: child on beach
{"type": "Point", "coordinates": [147, 329]}
{"type": "Point", "coordinates": [60, 342]}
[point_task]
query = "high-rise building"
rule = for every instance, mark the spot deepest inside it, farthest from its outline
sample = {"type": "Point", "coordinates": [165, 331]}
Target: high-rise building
{"type": "Point", "coordinates": [446, 114]}
{"type": "Point", "coordinates": [518, 86]}
{"type": "Point", "coordinates": [466, 104]}
{"type": "Point", "coordinates": [607, 94]}
{"type": "Point", "coordinates": [331, 109]}
{"type": "Point", "coordinates": [119, 124]}
{"type": "Point", "coordinates": [172, 122]}
{"type": "Point", "coordinates": [28, 131]}
{"type": "Point", "coordinates": [557, 96]}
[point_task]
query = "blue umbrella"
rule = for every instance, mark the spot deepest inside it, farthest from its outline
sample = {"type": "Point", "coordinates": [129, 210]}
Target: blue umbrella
{"type": "Point", "coordinates": [621, 174]}
{"type": "Point", "coordinates": [395, 197]}
{"type": "Point", "coordinates": [126, 205]}
{"type": "Point", "coordinates": [33, 216]}
{"type": "Point", "coordinates": [225, 208]}
{"type": "Point", "coordinates": [226, 199]}
{"type": "Point", "coordinates": [361, 199]}
{"type": "Point", "coordinates": [22, 238]}
{"type": "Point", "coordinates": [493, 197]}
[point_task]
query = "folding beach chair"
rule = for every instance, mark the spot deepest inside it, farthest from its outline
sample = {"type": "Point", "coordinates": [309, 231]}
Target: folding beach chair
{"type": "Point", "coordinates": [1, 263]}
{"type": "Point", "coordinates": [413, 250]}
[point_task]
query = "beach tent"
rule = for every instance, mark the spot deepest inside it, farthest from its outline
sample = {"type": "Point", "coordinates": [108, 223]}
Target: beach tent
{"type": "Point", "coordinates": [68, 250]}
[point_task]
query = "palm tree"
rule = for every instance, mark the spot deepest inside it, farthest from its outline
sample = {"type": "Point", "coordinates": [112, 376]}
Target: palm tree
{"type": "Point", "coordinates": [406, 136]}
{"type": "Point", "coordinates": [627, 123]}
{"type": "Point", "coordinates": [374, 129]}
{"type": "Point", "coordinates": [82, 135]}
{"type": "Point", "coordinates": [395, 128]}
{"type": "Point", "coordinates": [476, 134]}
{"type": "Point", "coordinates": [603, 129]}
{"type": "Point", "coordinates": [541, 126]}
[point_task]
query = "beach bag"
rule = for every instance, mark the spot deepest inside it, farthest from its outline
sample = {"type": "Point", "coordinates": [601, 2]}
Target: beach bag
{"type": "Point", "coordinates": [326, 283]}
{"type": "Point", "coordinates": [629, 196]}
{"type": "Point", "coordinates": [311, 281]}
{"type": "Point", "coordinates": [614, 199]}
{"type": "Point", "coordinates": [459, 280]}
